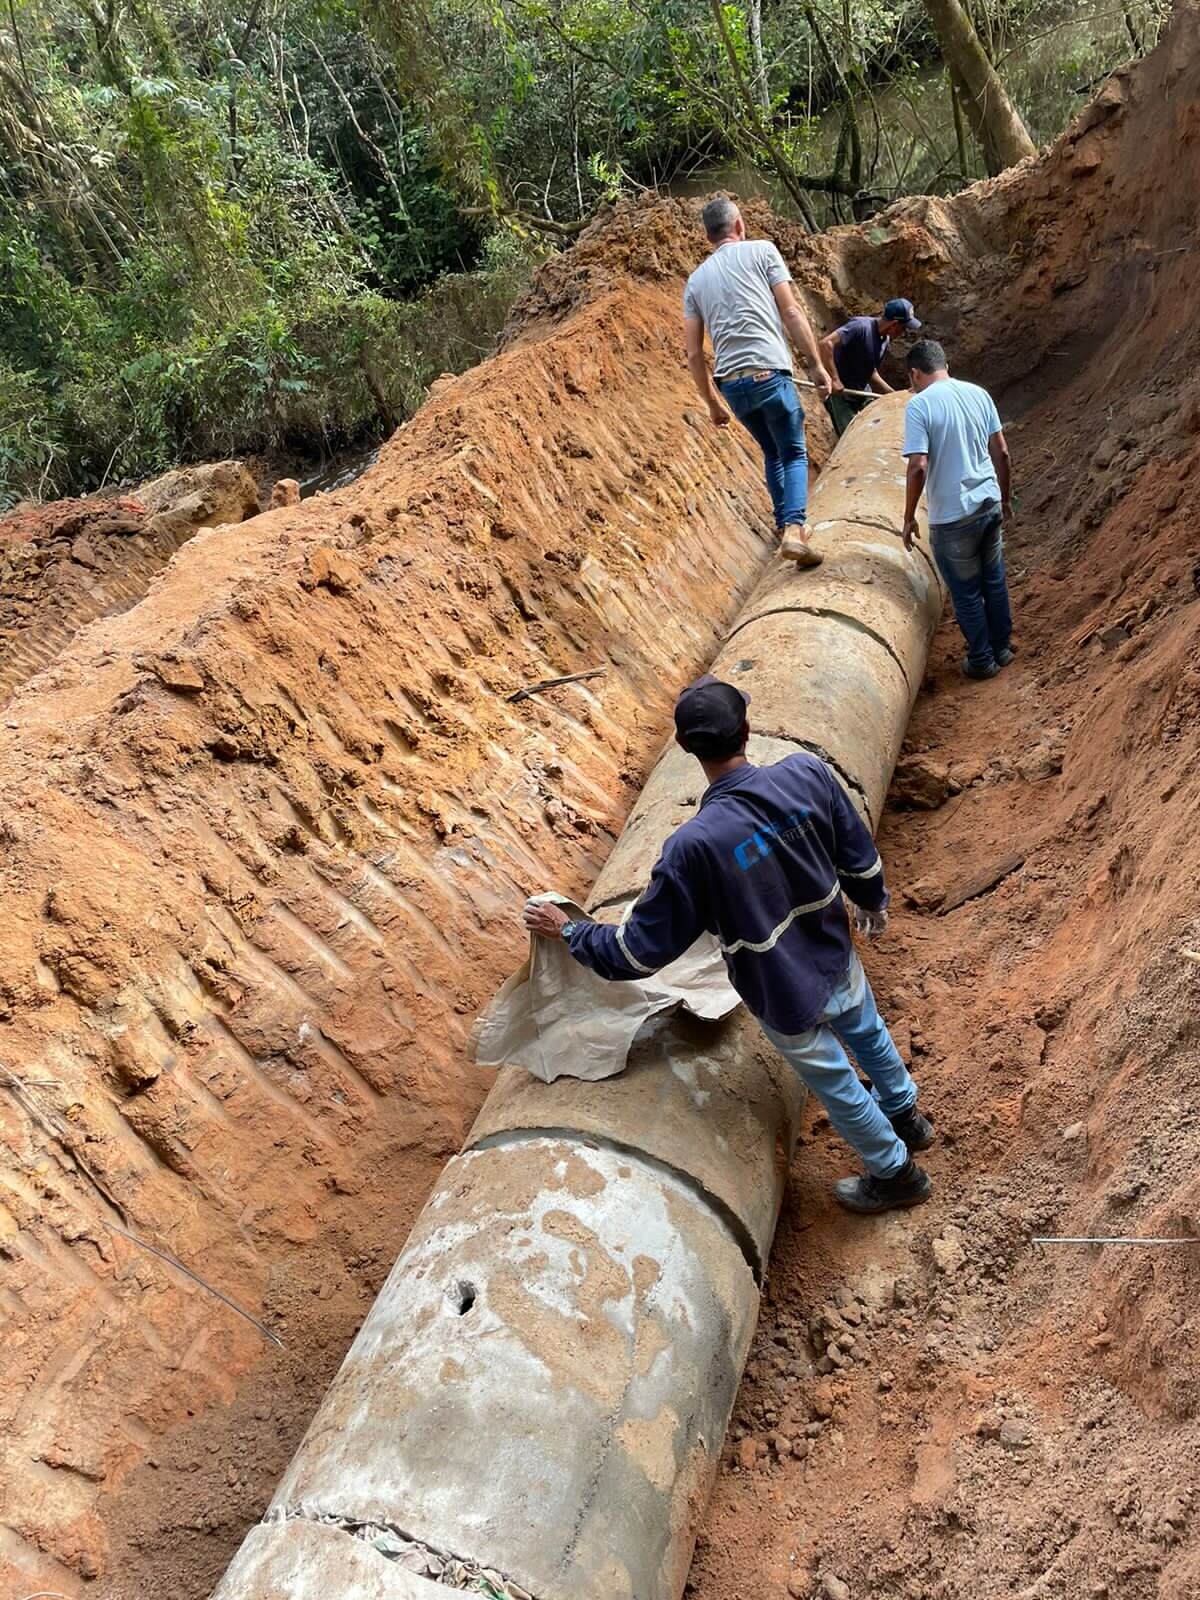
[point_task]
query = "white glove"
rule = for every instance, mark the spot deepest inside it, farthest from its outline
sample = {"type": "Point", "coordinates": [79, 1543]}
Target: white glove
{"type": "Point", "coordinates": [870, 923]}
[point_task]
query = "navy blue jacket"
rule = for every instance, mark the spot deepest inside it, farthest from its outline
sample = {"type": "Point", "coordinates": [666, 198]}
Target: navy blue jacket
{"type": "Point", "coordinates": [762, 865]}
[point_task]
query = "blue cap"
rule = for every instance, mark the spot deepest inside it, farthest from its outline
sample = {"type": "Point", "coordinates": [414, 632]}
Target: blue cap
{"type": "Point", "coordinates": [902, 311]}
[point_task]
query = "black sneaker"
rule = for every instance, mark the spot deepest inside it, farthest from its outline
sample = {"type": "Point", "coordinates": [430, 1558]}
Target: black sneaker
{"type": "Point", "coordinates": [1003, 657]}
{"type": "Point", "coordinates": [868, 1194]}
{"type": "Point", "coordinates": [968, 671]}
{"type": "Point", "coordinates": [915, 1129]}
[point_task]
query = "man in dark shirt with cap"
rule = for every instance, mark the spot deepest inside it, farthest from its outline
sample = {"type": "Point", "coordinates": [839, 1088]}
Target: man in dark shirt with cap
{"type": "Point", "coordinates": [764, 865]}
{"type": "Point", "coordinates": [852, 354]}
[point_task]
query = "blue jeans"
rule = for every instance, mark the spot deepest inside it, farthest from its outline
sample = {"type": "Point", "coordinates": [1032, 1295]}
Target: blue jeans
{"type": "Point", "coordinates": [851, 1021]}
{"type": "Point", "coordinates": [770, 409]}
{"type": "Point", "coordinates": [970, 557]}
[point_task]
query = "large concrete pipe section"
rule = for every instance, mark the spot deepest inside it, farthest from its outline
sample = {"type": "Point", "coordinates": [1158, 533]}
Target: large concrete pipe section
{"type": "Point", "coordinates": [536, 1403]}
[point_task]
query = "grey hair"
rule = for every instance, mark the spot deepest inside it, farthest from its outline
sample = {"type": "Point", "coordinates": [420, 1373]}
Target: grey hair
{"type": "Point", "coordinates": [718, 217]}
{"type": "Point", "coordinates": [927, 356]}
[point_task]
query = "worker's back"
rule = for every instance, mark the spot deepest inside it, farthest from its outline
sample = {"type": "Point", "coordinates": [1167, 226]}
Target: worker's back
{"type": "Point", "coordinates": [951, 422]}
{"type": "Point", "coordinates": [732, 295]}
{"type": "Point", "coordinates": [762, 860]}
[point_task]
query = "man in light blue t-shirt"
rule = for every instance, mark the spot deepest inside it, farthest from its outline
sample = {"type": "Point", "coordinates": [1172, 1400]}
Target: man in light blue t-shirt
{"type": "Point", "coordinates": [957, 454]}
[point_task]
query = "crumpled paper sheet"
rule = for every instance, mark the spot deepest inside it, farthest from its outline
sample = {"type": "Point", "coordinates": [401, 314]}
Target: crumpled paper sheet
{"type": "Point", "coordinates": [558, 1019]}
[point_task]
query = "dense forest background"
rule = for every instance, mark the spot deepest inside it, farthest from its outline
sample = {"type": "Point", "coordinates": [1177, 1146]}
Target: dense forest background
{"type": "Point", "coordinates": [266, 225]}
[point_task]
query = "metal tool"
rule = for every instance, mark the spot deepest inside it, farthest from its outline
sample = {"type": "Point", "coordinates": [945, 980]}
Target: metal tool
{"type": "Point", "coordinates": [855, 394]}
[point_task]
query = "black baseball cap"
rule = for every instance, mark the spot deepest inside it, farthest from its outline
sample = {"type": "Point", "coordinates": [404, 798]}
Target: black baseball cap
{"type": "Point", "coordinates": [902, 311]}
{"type": "Point", "coordinates": [709, 717]}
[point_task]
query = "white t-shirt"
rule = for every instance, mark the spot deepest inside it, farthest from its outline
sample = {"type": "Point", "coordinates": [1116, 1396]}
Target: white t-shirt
{"type": "Point", "coordinates": [731, 294]}
{"type": "Point", "coordinates": [951, 422]}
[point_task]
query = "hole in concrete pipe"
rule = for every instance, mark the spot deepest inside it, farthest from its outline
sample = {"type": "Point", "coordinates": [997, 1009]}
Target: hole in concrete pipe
{"type": "Point", "coordinates": [461, 1296]}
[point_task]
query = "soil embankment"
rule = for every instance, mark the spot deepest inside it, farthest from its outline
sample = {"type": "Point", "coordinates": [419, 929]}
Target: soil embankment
{"type": "Point", "coordinates": [308, 814]}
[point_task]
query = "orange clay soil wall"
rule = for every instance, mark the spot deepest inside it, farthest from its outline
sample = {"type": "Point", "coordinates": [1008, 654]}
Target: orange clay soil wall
{"type": "Point", "coordinates": [265, 836]}
{"type": "Point", "coordinates": [264, 840]}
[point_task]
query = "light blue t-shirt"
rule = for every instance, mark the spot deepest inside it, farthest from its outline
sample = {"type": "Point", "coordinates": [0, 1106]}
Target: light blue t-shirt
{"type": "Point", "coordinates": [951, 422]}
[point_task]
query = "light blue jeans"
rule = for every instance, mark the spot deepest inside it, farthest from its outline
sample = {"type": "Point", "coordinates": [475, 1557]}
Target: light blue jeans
{"type": "Point", "coordinates": [851, 1021]}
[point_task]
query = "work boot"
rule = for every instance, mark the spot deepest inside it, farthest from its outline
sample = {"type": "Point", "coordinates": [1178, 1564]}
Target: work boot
{"type": "Point", "coordinates": [914, 1129]}
{"type": "Point", "coordinates": [1003, 657]}
{"type": "Point", "coordinates": [868, 1194]}
{"type": "Point", "coordinates": [798, 547]}
{"type": "Point", "coordinates": [990, 671]}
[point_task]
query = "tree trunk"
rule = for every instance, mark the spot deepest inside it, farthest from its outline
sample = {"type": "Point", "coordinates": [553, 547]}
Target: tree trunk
{"type": "Point", "coordinates": [996, 123]}
{"type": "Point", "coordinates": [758, 65]}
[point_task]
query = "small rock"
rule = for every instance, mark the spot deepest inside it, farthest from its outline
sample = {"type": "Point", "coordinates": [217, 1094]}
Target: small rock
{"type": "Point", "coordinates": [1110, 638]}
{"type": "Point", "coordinates": [1015, 1434]}
{"type": "Point", "coordinates": [1076, 1132]}
{"type": "Point", "coordinates": [832, 1588]}
{"type": "Point", "coordinates": [798, 1586]}
{"type": "Point", "coordinates": [920, 782]}
{"type": "Point", "coordinates": [82, 552]}
{"type": "Point", "coordinates": [747, 1454]}
{"type": "Point", "coordinates": [136, 1068]}
{"type": "Point", "coordinates": [924, 895]}
{"type": "Point", "coordinates": [780, 1444]}
{"type": "Point", "coordinates": [885, 1381]}
{"type": "Point", "coordinates": [181, 677]}
{"type": "Point", "coordinates": [1042, 762]}
{"type": "Point", "coordinates": [332, 570]}
{"type": "Point", "coordinates": [822, 1400]}
{"type": "Point", "coordinates": [285, 493]}
{"type": "Point", "coordinates": [948, 1252]}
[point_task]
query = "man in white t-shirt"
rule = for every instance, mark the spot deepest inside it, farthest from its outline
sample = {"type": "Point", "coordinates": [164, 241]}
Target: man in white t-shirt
{"type": "Point", "coordinates": [958, 455]}
{"type": "Point", "coordinates": [743, 295]}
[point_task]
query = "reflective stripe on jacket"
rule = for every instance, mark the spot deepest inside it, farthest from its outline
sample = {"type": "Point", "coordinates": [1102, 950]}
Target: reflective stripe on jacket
{"type": "Point", "coordinates": [763, 865]}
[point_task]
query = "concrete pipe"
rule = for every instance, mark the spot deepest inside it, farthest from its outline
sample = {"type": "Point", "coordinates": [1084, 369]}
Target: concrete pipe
{"type": "Point", "coordinates": [539, 1395]}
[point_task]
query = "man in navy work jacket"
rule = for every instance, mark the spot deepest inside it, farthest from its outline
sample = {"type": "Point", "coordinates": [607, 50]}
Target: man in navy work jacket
{"type": "Point", "coordinates": [764, 865]}
{"type": "Point", "coordinates": [852, 354]}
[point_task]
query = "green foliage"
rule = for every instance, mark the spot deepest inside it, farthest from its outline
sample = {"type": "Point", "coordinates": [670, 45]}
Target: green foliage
{"type": "Point", "coordinates": [209, 218]}
{"type": "Point", "coordinates": [229, 225]}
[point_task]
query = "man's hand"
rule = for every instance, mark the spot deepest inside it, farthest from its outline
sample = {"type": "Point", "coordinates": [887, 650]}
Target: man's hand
{"type": "Point", "coordinates": [835, 383]}
{"type": "Point", "coordinates": [870, 923]}
{"type": "Point", "coordinates": [545, 919]}
{"type": "Point", "coordinates": [823, 382]}
{"type": "Point", "coordinates": [719, 413]}
{"type": "Point", "coordinates": [911, 533]}
{"type": "Point", "coordinates": [1008, 515]}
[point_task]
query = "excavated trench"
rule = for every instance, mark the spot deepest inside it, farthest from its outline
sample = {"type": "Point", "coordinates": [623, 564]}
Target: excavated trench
{"type": "Point", "coordinates": [238, 1013]}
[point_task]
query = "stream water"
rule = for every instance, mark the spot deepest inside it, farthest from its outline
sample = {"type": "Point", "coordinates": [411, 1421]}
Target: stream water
{"type": "Point", "coordinates": [1050, 68]}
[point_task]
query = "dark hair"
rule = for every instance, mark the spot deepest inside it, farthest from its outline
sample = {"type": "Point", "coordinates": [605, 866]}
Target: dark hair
{"type": "Point", "coordinates": [707, 747]}
{"type": "Point", "coordinates": [718, 217]}
{"type": "Point", "coordinates": [927, 356]}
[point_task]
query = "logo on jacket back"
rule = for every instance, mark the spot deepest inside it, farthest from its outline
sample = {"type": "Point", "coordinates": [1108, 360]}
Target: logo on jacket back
{"type": "Point", "coordinates": [763, 840]}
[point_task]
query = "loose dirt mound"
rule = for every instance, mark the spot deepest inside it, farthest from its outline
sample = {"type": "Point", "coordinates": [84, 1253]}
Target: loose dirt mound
{"type": "Point", "coordinates": [311, 812]}
{"type": "Point", "coordinates": [63, 564]}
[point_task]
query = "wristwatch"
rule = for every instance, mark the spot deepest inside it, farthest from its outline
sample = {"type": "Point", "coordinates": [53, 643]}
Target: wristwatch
{"type": "Point", "coordinates": [568, 928]}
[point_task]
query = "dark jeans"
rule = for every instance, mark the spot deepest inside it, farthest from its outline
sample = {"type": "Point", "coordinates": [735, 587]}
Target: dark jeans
{"type": "Point", "coordinates": [970, 557]}
{"type": "Point", "coordinates": [842, 409]}
{"type": "Point", "coordinates": [770, 409]}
